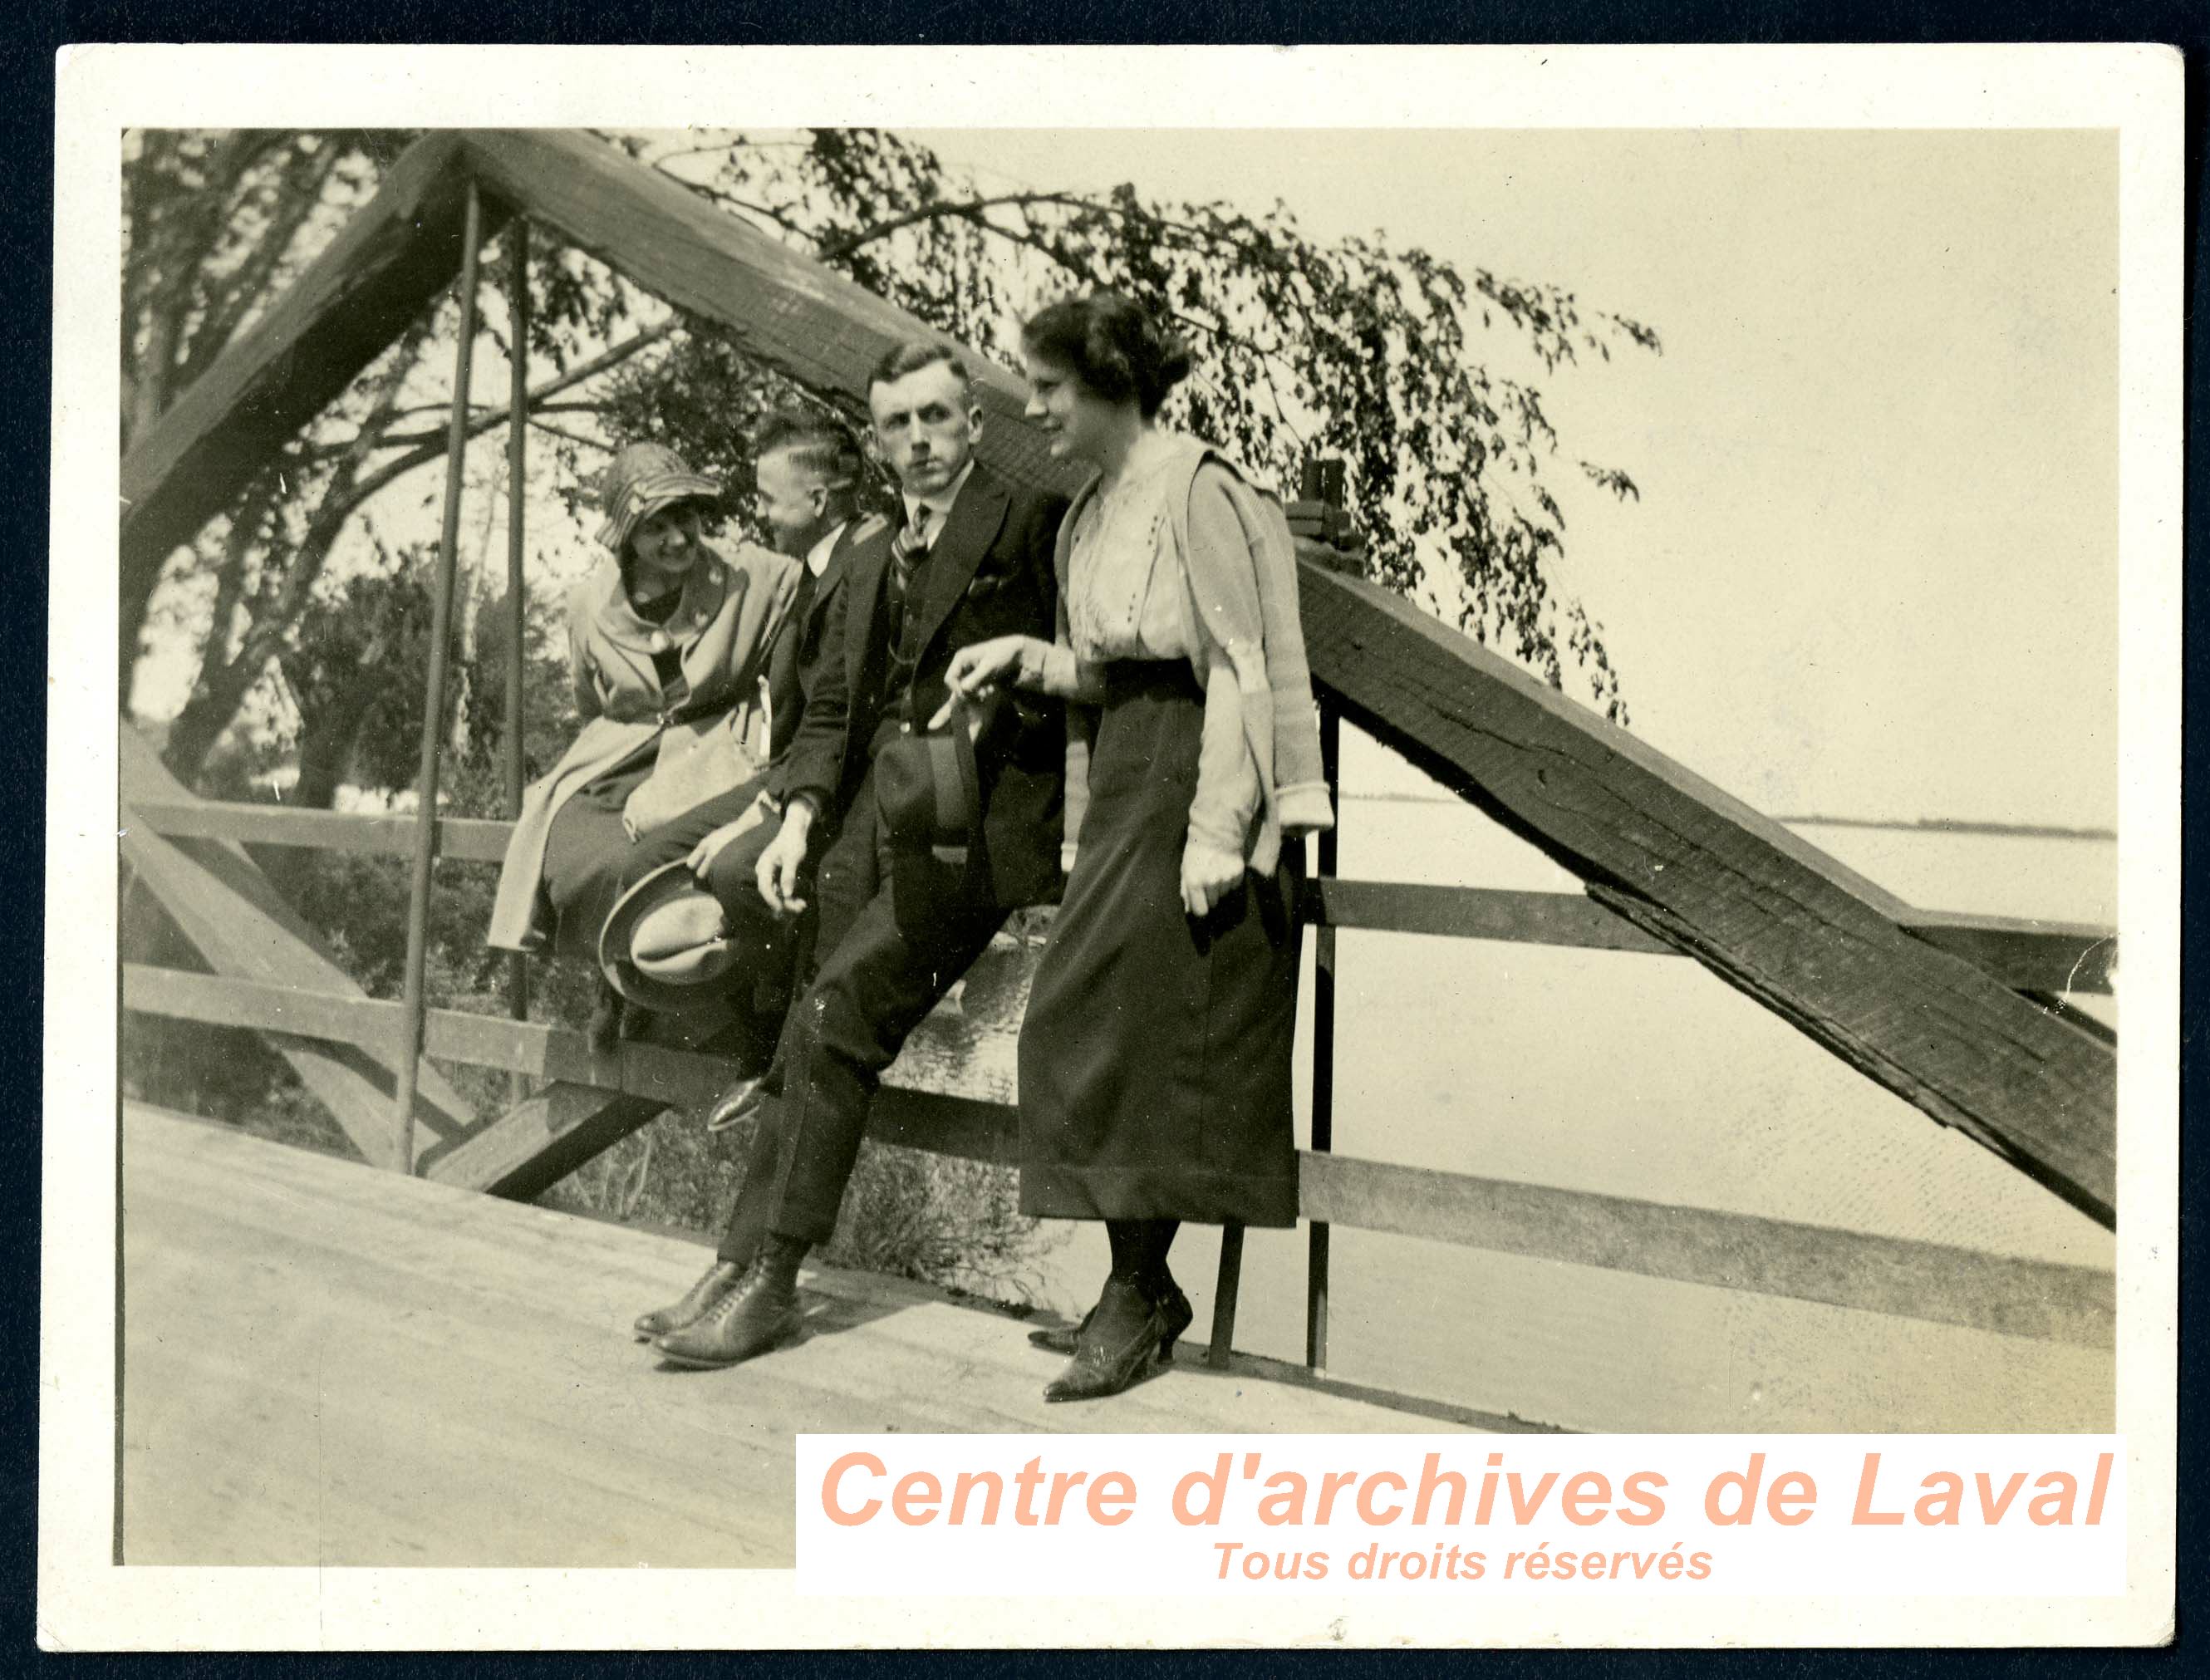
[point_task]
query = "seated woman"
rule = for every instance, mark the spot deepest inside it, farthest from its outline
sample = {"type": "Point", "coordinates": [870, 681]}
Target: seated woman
{"type": "Point", "coordinates": [1155, 1058]}
{"type": "Point", "coordinates": [667, 646]}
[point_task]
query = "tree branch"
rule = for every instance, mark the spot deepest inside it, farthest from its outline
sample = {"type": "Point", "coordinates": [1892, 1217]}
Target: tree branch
{"type": "Point", "coordinates": [300, 196]}
{"type": "Point", "coordinates": [573, 437]}
{"type": "Point", "coordinates": [426, 446]}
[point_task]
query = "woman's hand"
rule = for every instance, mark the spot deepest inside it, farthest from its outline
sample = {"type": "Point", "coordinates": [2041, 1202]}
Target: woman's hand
{"type": "Point", "coordinates": [703, 854]}
{"type": "Point", "coordinates": [976, 671]}
{"type": "Point", "coordinates": [1209, 874]}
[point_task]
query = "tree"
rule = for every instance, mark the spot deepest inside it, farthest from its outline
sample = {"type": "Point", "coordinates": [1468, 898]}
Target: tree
{"type": "Point", "coordinates": [1305, 348]}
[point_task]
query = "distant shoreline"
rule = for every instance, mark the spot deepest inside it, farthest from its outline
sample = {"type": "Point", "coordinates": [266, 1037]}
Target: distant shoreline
{"type": "Point", "coordinates": [1911, 826]}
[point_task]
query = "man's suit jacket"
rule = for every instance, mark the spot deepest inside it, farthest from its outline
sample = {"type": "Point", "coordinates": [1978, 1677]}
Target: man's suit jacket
{"type": "Point", "coordinates": [989, 573]}
{"type": "Point", "coordinates": [806, 645]}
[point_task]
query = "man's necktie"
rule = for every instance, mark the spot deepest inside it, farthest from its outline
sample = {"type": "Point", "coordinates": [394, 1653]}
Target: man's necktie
{"type": "Point", "coordinates": [909, 548]}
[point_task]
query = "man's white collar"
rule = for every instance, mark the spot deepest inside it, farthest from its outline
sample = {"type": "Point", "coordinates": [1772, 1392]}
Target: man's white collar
{"type": "Point", "coordinates": [939, 502]}
{"type": "Point", "coordinates": [817, 557]}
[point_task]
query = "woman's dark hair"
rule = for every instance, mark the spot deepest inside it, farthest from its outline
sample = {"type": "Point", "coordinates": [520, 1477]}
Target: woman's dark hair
{"type": "Point", "coordinates": [1113, 345]}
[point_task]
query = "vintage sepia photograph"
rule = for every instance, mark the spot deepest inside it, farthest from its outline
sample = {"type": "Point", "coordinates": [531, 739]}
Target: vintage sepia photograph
{"type": "Point", "coordinates": [1298, 778]}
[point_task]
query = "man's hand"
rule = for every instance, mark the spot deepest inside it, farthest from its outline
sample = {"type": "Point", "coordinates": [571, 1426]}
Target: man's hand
{"type": "Point", "coordinates": [703, 854]}
{"type": "Point", "coordinates": [977, 669]}
{"type": "Point", "coordinates": [785, 855]}
{"type": "Point", "coordinates": [1209, 873]}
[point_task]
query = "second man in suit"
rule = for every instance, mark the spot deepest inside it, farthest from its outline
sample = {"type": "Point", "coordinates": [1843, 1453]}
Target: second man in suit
{"type": "Point", "coordinates": [972, 560]}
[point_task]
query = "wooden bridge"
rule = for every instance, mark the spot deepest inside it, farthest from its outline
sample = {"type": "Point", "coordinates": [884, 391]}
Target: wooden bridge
{"type": "Point", "coordinates": [331, 1365]}
{"type": "Point", "coordinates": [1966, 1017]}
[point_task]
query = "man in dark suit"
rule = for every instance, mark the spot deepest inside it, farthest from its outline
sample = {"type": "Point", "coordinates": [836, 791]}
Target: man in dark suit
{"type": "Point", "coordinates": [972, 560]}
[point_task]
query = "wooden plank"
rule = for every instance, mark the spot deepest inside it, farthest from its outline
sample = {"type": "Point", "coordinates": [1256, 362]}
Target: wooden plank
{"type": "Point", "coordinates": [496, 1154]}
{"type": "Point", "coordinates": [1899, 1277]}
{"type": "Point", "coordinates": [1695, 867]}
{"type": "Point", "coordinates": [1474, 913]}
{"type": "Point", "coordinates": [2026, 954]}
{"type": "Point", "coordinates": [946, 1125]}
{"type": "Point", "coordinates": [808, 322]}
{"type": "Point", "coordinates": [671, 1077]}
{"type": "Point", "coordinates": [468, 839]}
{"type": "Point", "coordinates": [239, 923]}
{"type": "Point", "coordinates": [519, 1155]}
{"type": "Point", "coordinates": [391, 257]}
{"type": "Point", "coordinates": [223, 1000]}
{"type": "Point", "coordinates": [1906, 1278]}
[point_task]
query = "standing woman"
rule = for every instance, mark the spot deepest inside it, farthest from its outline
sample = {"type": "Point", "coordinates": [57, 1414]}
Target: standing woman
{"type": "Point", "coordinates": [1155, 1058]}
{"type": "Point", "coordinates": [667, 647]}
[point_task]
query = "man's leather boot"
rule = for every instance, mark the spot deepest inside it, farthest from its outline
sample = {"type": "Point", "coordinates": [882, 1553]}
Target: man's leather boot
{"type": "Point", "coordinates": [718, 1280]}
{"type": "Point", "coordinates": [758, 1317]}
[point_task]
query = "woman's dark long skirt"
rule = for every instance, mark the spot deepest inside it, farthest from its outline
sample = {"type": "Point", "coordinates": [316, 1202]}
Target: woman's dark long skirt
{"type": "Point", "coordinates": [1155, 1058]}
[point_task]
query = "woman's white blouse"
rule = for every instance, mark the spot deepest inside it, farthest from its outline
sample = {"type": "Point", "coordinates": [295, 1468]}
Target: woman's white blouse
{"type": "Point", "coordinates": [1128, 597]}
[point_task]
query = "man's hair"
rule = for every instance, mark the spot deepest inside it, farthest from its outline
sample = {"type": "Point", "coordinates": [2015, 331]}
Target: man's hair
{"type": "Point", "coordinates": [823, 446]}
{"type": "Point", "coordinates": [913, 355]}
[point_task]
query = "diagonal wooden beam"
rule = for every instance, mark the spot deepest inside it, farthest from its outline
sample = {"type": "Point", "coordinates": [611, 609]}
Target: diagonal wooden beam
{"type": "Point", "coordinates": [1696, 868]}
{"type": "Point", "coordinates": [802, 319]}
{"type": "Point", "coordinates": [392, 257]}
{"type": "Point", "coordinates": [541, 1141]}
{"type": "Point", "coordinates": [241, 927]}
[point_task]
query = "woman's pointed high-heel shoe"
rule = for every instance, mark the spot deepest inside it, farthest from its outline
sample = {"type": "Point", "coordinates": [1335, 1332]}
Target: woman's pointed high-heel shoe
{"type": "Point", "coordinates": [1174, 1307]}
{"type": "Point", "coordinates": [1118, 1342]}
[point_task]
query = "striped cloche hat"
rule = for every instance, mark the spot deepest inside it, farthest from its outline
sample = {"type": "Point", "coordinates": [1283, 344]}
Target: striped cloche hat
{"type": "Point", "coordinates": [641, 480]}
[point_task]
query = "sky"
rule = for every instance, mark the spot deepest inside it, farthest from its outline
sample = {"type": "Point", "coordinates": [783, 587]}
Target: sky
{"type": "Point", "coordinates": [1873, 570]}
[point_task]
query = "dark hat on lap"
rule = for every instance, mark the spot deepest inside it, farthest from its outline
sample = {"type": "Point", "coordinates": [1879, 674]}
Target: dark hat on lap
{"type": "Point", "coordinates": [929, 789]}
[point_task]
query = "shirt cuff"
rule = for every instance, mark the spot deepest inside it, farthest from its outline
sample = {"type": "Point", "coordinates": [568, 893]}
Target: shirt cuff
{"type": "Point", "coordinates": [1052, 668]}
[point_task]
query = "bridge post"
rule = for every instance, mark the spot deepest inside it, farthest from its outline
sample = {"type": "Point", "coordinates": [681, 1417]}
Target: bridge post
{"type": "Point", "coordinates": [413, 1001]}
{"type": "Point", "coordinates": [1323, 1066]}
{"type": "Point", "coordinates": [1318, 514]}
{"type": "Point", "coordinates": [517, 436]}
{"type": "Point", "coordinates": [1324, 486]}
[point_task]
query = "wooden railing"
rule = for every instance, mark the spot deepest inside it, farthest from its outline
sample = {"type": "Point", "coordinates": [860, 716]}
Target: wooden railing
{"type": "Point", "coordinates": [2026, 954]}
{"type": "Point", "coordinates": [1929, 1281]}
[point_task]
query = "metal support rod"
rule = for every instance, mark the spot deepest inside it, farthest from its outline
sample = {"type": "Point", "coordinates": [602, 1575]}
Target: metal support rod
{"type": "Point", "coordinates": [1323, 1063]}
{"type": "Point", "coordinates": [412, 1002]}
{"type": "Point", "coordinates": [1225, 1289]}
{"type": "Point", "coordinates": [517, 437]}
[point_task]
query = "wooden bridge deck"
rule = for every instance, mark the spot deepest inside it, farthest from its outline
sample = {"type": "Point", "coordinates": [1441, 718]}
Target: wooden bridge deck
{"type": "Point", "coordinates": [327, 1364]}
